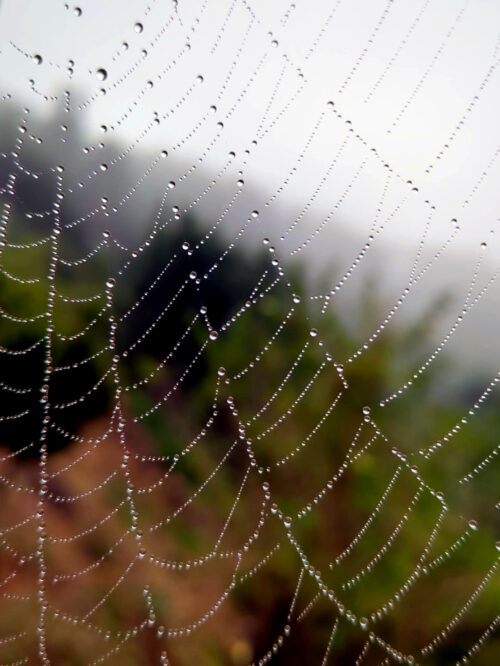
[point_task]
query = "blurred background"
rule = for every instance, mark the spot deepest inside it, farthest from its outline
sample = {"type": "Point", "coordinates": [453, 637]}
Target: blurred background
{"type": "Point", "coordinates": [249, 359]}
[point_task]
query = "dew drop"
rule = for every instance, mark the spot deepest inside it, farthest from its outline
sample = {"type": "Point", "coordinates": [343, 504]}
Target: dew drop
{"type": "Point", "coordinates": [138, 27]}
{"type": "Point", "coordinates": [110, 283]}
{"type": "Point", "coordinates": [255, 213]}
{"type": "Point", "coordinates": [77, 11]}
{"type": "Point", "coordinates": [38, 59]}
{"type": "Point", "coordinates": [185, 245]}
{"type": "Point", "coordinates": [296, 299]}
{"type": "Point", "coordinates": [171, 185]}
{"type": "Point", "coordinates": [313, 332]}
{"type": "Point", "coordinates": [213, 335]}
{"type": "Point", "coordinates": [193, 275]}
{"type": "Point", "coordinates": [473, 525]}
{"type": "Point", "coordinates": [274, 43]}
{"type": "Point", "coordinates": [221, 371]}
{"type": "Point", "coordinates": [287, 522]}
{"type": "Point", "coordinates": [164, 153]}
{"type": "Point", "coordinates": [366, 411]}
{"type": "Point", "coordinates": [101, 74]}
{"type": "Point", "coordinates": [103, 167]}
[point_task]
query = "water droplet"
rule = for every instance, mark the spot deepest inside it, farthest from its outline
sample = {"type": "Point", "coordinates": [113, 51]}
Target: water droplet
{"type": "Point", "coordinates": [193, 275]}
{"type": "Point", "coordinates": [296, 299]}
{"type": "Point", "coordinates": [185, 245]}
{"type": "Point", "coordinates": [101, 74]}
{"type": "Point", "coordinates": [274, 43]}
{"type": "Point", "coordinates": [366, 410]}
{"type": "Point", "coordinates": [103, 167]}
{"type": "Point", "coordinates": [138, 27]}
{"type": "Point", "coordinates": [60, 168]}
{"type": "Point", "coordinates": [287, 521]}
{"type": "Point", "coordinates": [77, 11]}
{"type": "Point", "coordinates": [38, 59]}
{"type": "Point", "coordinates": [213, 335]}
{"type": "Point", "coordinates": [313, 332]}
{"type": "Point", "coordinates": [330, 104]}
{"type": "Point", "coordinates": [110, 283]}
{"type": "Point", "coordinates": [221, 371]}
{"type": "Point", "coordinates": [255, 213]}
{"type": "Point", "coordinates": [164, 153]}
{"type": "Point", "coordinates": [203, 310]}
{"type": "Point", "coordinates": [473, 525]}
{"type": "Point", "coordinates": [171, 185]}
{"type": "Point", "coordinates": [200, 78]}
{"type": "Point", "coordinates": [240, 182]}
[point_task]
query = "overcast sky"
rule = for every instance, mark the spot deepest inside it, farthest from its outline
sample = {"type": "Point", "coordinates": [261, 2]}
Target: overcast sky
{"type": "Point", "coordinates": [418, 80]}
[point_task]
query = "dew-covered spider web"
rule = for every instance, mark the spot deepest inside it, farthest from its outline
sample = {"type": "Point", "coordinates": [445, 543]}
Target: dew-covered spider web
{"type": "Point", "coordinates": [249, 332]}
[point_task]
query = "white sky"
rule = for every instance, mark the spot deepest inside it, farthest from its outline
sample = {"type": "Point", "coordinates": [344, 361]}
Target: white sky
{"type": "Point", "coordinates": [440, 54]}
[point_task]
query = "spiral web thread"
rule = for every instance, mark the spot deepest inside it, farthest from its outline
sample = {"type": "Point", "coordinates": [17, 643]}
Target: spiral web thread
{"type": "Point", "coordinates": [231, 87]}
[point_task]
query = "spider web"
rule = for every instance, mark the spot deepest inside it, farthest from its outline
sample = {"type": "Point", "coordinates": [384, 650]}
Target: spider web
{"type": "Point", "coordinates": [154, 149]}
